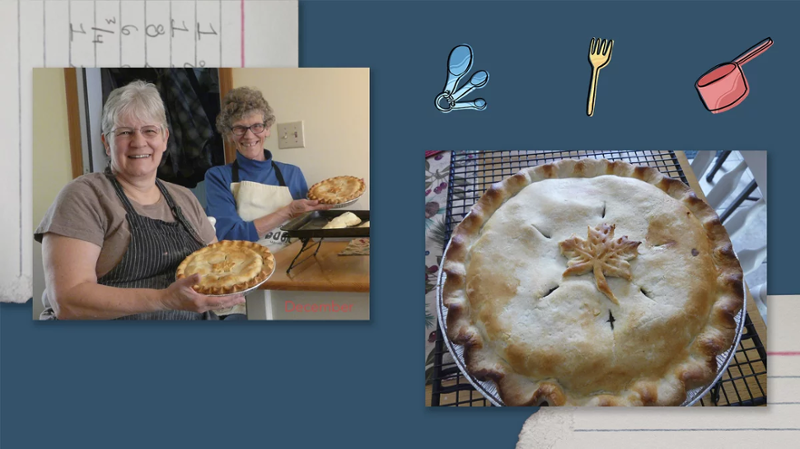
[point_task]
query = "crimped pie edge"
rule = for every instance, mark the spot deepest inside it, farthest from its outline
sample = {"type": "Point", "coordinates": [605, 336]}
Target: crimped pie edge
{"type": "Point", "coordinates": [700, 367]}
{"type": "Point", "coordinates": [268, 262]}
{"type": "Point", "coordinates": [313, 196]}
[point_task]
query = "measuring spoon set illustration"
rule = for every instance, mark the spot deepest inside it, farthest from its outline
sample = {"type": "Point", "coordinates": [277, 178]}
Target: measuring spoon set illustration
{"type": "Point", "coordinates": [720, 89]}
{"type": "Point", "coordinates": [458, 64]}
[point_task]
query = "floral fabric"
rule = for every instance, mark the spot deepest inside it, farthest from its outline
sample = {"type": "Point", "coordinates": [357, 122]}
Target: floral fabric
{"type": "Point", "coordinates": [437, 173]}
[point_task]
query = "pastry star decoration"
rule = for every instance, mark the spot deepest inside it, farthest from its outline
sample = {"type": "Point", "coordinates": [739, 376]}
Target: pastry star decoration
{"type": "Point", "coordinates": [602, 254]}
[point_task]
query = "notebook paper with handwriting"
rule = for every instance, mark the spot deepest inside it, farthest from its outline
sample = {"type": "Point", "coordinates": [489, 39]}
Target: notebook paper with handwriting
{"type": "Point", "coordinates": [129, 33]}
{"type": "Point", "coordinates": [777, 425]}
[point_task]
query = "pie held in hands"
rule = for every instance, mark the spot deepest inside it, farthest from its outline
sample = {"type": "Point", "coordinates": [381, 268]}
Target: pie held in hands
{"type": "Point", "coordinates": [337, 190]}
{"type": "Point", "coordinates": [229, 266]}
{"type": "Point", "coordinates": [592, 283]}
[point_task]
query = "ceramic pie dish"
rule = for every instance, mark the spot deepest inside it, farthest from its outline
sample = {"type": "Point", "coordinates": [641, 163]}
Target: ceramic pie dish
{"type": "Point", "coordinates": [591, 283]}
{"type": "Point", "coordinates": [228, 267]}
{"type": "Point", "coordinates": [337, 190]}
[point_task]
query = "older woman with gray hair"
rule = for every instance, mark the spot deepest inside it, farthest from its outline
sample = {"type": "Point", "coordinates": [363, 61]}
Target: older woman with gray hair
{"type": "Point", "coordinates": [112, 241]}
{"type": "Point", "coordinates": [254, 195]}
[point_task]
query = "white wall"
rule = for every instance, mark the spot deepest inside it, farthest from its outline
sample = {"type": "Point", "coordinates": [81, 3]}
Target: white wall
{"type": "Point", "coordinates": [51, 157]}
{"type": "Point", "coordinates": [333, 103]}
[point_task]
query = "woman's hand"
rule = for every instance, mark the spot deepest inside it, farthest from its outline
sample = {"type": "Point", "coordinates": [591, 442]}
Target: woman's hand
{"type": "Point", "coordinates": [73, 291]}
{"type": "Point", "coordinates": [181, 296]}
{"type": "Point", "coordinates": [286, 213]}
{"type": "Point", "coordinates": [299, 207]}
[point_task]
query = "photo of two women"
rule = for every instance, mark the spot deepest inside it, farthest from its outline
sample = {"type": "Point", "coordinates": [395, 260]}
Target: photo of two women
{"type": "Point", "coordinates": [137, 170]}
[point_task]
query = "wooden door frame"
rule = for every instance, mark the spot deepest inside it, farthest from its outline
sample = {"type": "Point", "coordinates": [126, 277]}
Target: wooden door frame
{"type": "Point", "coordinates": [225, 86]}
{"type": "Point", "coordinates": [73, 121]}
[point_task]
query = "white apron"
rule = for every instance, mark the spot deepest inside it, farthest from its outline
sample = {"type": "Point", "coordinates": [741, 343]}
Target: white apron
{"type": "Point", "coordinates": [254, 200]}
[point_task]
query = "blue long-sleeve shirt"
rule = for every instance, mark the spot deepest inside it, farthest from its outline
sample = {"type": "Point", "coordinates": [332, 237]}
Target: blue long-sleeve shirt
{"type": "Point", "coordinates": [222, 205]}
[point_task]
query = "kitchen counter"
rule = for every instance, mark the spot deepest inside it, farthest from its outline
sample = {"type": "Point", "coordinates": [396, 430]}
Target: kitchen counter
{"type": "Point", "coordinates": [322, 287]}
{"type": "Point", "coordinates": [325, 272]}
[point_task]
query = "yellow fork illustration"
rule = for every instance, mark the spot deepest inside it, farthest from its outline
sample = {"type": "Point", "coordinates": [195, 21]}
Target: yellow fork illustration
{"type": "Point", "coordinates": [599, 56]}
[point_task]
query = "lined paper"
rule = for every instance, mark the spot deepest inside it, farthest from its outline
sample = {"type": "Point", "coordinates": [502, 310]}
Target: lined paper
{"type": "Point", "coordinates": [127, 33]}
{"type": "Point", "coordinates": [777, 425]}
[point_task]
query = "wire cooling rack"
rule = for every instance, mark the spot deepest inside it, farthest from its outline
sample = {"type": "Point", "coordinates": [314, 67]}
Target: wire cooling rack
{"type": "Point", "coordinates": [472, 172]}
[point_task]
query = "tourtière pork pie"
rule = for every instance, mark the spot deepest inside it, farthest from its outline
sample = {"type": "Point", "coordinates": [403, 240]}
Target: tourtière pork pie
{"type": "Point", "coordinates": [337, 190]}
{"type": "Point", "coordinates": [592, 283]}
{"type": "Point", "coordinates": [229, 266]}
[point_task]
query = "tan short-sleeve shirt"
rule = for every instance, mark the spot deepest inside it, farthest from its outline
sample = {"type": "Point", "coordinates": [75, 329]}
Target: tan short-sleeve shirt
{"type": "Point", "coordinates": [89, 209]}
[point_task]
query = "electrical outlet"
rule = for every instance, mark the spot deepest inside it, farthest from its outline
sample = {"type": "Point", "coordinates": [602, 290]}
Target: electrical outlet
{"type": "Point", "coordinates": [290, 135]}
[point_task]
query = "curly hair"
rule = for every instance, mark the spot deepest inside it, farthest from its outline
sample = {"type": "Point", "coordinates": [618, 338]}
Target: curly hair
{"type": "Point", "coordinates": [239, 102]}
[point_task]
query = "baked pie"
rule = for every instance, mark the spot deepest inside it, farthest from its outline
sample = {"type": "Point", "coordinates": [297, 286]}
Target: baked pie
{"type": "Point", "coordinates": [337, 190]}
{"type": "Point", "coordinates": [228, 266]}
{"type": "Point", "coordinates": [591, 283]}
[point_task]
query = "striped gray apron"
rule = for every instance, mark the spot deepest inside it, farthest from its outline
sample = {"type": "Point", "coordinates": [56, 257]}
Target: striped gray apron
{"type": "Point", "coordinates": [155, 250]}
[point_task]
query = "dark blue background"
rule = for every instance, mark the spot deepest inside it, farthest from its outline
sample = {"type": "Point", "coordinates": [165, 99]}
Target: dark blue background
{"type": "Point", "coordinates": [360, 385]}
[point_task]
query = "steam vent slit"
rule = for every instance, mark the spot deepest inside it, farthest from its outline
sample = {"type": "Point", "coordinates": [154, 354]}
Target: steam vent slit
{"type": "Point", "coordinates": [551, 291]}
{"type": "Point", "coordinates": [540, 231]}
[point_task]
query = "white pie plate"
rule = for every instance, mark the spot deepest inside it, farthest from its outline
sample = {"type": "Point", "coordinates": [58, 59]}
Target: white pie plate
{"type": "Point", "coordinates": [244, 292]}
{"type": "Point", "coordinates": [489, 389]}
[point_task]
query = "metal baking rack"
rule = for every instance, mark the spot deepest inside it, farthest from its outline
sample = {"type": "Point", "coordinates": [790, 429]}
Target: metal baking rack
{"type": "Point", "coordinates": [309, 226]}
{"type": "Point", "coordinates": [308, 244]}
{"type": "Point", "coordinates": [472, 172]}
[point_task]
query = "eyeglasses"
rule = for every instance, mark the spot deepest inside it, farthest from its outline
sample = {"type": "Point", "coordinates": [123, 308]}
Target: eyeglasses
{"type": "Point", "coordinates": [149, 132]}
{"type": "Point", "coordinates": [257, 128]}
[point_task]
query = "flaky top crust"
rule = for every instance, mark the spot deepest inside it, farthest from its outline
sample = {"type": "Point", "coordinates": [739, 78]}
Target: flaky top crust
{"type": "Point", "coordinates": [337, 190]}
{"type": "Point", "coordinates": [228, 266]}
{"type": "Point", "coordinates": [545, 336]}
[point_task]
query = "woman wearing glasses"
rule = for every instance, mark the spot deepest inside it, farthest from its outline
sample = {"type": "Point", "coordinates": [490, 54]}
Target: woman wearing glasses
{"type": "Point", "coordinates": [112, 241]}
{"type": "Point", "coordinates": [253, 196]}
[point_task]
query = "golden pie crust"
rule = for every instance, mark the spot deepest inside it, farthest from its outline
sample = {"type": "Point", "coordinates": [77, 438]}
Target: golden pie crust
{"type": "Point", "coordinates": [592, 283]}
{"type": "Point", "coordinates": [228, 266]}
{"type": "Point", "coordinates": [337, 190]}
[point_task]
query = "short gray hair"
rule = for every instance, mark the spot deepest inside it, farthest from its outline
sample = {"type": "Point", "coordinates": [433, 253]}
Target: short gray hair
{"type": "Point", "coordinates": [240, 102]}
{"type": "Point", "coordinates": [138, 98]}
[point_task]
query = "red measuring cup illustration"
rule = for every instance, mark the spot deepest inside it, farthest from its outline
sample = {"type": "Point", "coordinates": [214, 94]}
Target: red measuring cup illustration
{"type": "Point", "coordinates": [725, 86]}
